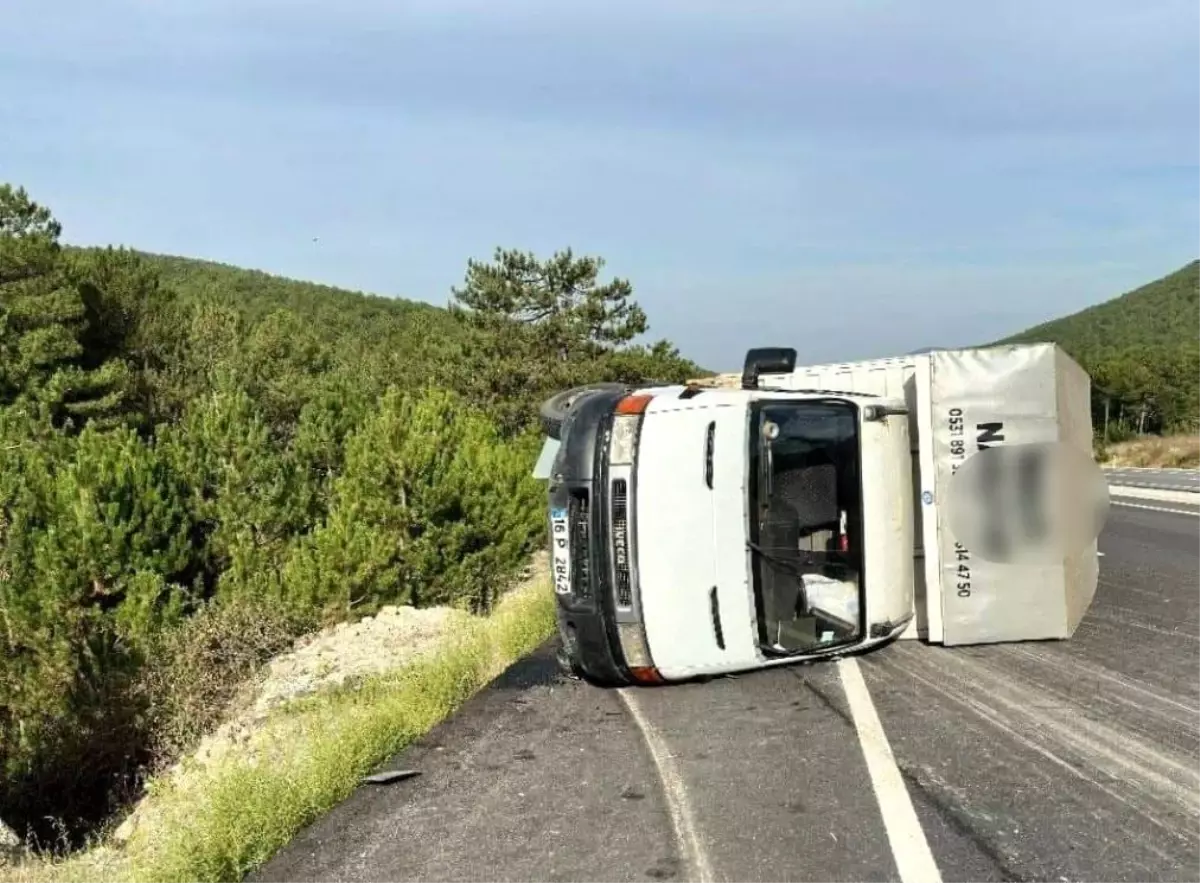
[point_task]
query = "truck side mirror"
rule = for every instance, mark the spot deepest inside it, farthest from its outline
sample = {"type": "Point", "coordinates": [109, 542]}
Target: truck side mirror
{"type": "Point", "coordinates": [882, 412]}
{"type": "Point", "coordinates": [767, 360]}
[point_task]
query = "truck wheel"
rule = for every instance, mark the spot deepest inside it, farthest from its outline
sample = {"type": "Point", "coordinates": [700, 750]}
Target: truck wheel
{"type": "Point", "coordinates": [554, 410]}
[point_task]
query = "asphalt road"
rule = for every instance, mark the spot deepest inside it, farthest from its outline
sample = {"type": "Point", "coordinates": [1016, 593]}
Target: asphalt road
{"type": "Point", "coordinates": [1072, 760]}
{"type": "Point", "coordinates": [1160, 479]}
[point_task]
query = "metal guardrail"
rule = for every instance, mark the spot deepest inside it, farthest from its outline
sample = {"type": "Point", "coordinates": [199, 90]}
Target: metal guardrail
{"type": "Point", "coordinates": [1182, 484]}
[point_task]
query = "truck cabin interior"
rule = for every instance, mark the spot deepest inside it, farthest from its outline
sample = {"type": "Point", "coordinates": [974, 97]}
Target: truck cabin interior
{"type": "Point", "coordinates": [806, 524]}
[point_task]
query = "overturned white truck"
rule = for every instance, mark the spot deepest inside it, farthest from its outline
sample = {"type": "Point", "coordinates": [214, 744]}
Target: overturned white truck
{"type": "Point", "coordinates": [795, 513]}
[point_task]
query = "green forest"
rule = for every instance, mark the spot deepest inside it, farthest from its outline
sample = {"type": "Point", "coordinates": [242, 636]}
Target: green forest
{"type": "Point", "coordinates": [1142, 350]}
{"type": "Point", "coordinates": [201, 463]}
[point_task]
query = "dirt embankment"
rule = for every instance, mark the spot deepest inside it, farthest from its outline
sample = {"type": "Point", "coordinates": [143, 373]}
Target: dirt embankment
{"type": "Point", "coordinates": [334, 657]}
{"type": "Point", "coordinates": [338, 656]}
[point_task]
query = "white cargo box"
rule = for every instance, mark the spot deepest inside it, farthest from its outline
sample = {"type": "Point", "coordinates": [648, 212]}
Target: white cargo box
{"type": "Point", "coordinates": [960, 402]}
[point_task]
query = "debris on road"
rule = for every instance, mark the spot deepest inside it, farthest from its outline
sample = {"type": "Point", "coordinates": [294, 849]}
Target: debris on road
{"type": "Point", "coordinates": [387, 777]}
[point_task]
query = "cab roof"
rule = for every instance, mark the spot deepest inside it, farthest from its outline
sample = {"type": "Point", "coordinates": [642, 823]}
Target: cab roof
{"type": "Point", "coordinates": [705, 395]}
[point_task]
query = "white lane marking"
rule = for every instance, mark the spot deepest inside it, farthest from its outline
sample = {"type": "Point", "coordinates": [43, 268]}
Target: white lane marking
{"type": "Point", "coordinates": [1156, 508]}
{"type": "Point", "coordinates": [675, 793]}
{"type": "Point", "coordinates": [1146, 484]}
{"type": "Point", "coordinates": [1169, 470]}
{"type": "Point", "coordinates": [1161, 495]}
{"type": "Point", "coordinates": [914, 860]}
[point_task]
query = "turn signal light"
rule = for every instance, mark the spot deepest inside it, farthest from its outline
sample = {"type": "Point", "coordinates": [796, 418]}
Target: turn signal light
{"type": "Point", "coordinates": [646, 675]}
{"type": "Point", "coordinates": [633, 404]}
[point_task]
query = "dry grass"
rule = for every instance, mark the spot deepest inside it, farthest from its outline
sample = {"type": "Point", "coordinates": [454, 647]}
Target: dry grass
{"type": "Point", "coordinates": [229, 819]}
{"type": "Point", "coordinates": [1169, 452]}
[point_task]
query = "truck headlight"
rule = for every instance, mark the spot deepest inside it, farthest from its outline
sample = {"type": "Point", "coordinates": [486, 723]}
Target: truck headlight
{"type": "Point", "coordinates": [633, 644]}
{"type": "Point", "coordinates": [637, 653]}
{"type": "Point", "coordinates": [624, 439]}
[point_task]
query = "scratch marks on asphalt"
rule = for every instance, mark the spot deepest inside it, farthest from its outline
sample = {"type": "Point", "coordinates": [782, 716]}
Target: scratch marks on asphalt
{"type": "Point", "coordinates": [1111, 688]}
{"type": "Point", "coordinates": [914, 860]}
{"type": "Point", "coordinates": [1044, 716]}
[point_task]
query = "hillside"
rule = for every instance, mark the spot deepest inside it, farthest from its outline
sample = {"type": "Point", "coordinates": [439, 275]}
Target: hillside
{"type": "Point", "coordinates": [1142, 350]}
{"type": "Point", "coordinates": [203, 462]}
{"type": "Point", "coordinates": [355, 326]}
{"type": "Point", "coordinates": [257, 294]}
{"type": "Point", "coordinates": [1163, 313]}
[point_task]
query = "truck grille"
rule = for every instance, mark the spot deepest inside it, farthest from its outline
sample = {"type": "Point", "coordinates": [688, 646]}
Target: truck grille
{"type": "Point", "coordinates": [620, 542]}
{"type": "Point", "coordinates": [577, 515]}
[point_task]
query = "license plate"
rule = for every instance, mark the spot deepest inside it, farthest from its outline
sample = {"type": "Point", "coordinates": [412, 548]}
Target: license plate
{"type": "Point", "coordinates": [560, 550]}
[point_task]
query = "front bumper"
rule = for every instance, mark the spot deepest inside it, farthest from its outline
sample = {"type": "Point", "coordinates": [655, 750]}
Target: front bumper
{"type": "Point", "coordinates": [590, 650]}
{"type": "Point", "coordinates": [579, 486]}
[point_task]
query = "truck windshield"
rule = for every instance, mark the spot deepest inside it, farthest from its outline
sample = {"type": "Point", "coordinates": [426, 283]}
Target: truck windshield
{"type": "Point", "coordinates": [805, 524]}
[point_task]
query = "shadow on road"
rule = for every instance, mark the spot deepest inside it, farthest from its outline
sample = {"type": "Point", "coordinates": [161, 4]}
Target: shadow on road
{"type": "Point", "coordinates": [539, 669]}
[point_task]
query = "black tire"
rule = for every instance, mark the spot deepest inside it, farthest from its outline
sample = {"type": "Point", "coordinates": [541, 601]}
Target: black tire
{"type": "Point", "coordinates": [554, 410]}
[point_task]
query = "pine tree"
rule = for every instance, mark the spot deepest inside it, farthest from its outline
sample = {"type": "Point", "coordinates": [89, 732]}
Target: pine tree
{"type": "Point", "coordinates": [536, 327]}
{"type": "Point", "coordinates": [560, 300]}
{"type": "Point", "coordinates": [40, 313]}
{"type": "Point", "coordinates": [44, 323]}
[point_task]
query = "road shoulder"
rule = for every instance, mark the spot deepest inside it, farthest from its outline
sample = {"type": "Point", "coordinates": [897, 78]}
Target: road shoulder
{"type": "Point", "coordinates": [537, 777]}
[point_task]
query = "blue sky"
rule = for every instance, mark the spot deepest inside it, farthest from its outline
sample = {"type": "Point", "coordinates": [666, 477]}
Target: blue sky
{"type": "Point", "coordinates": [850, 178]}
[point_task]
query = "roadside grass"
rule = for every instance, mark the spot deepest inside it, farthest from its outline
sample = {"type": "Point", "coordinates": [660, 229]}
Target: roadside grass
{"type": "Point", "coordinates": [221, 823]}
{"type": "Point", "coordinates": [1164, 452]}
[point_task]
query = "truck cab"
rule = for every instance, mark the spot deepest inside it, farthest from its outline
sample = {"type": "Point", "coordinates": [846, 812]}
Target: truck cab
{"type": "Point", "coordinates": [697, 532]}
